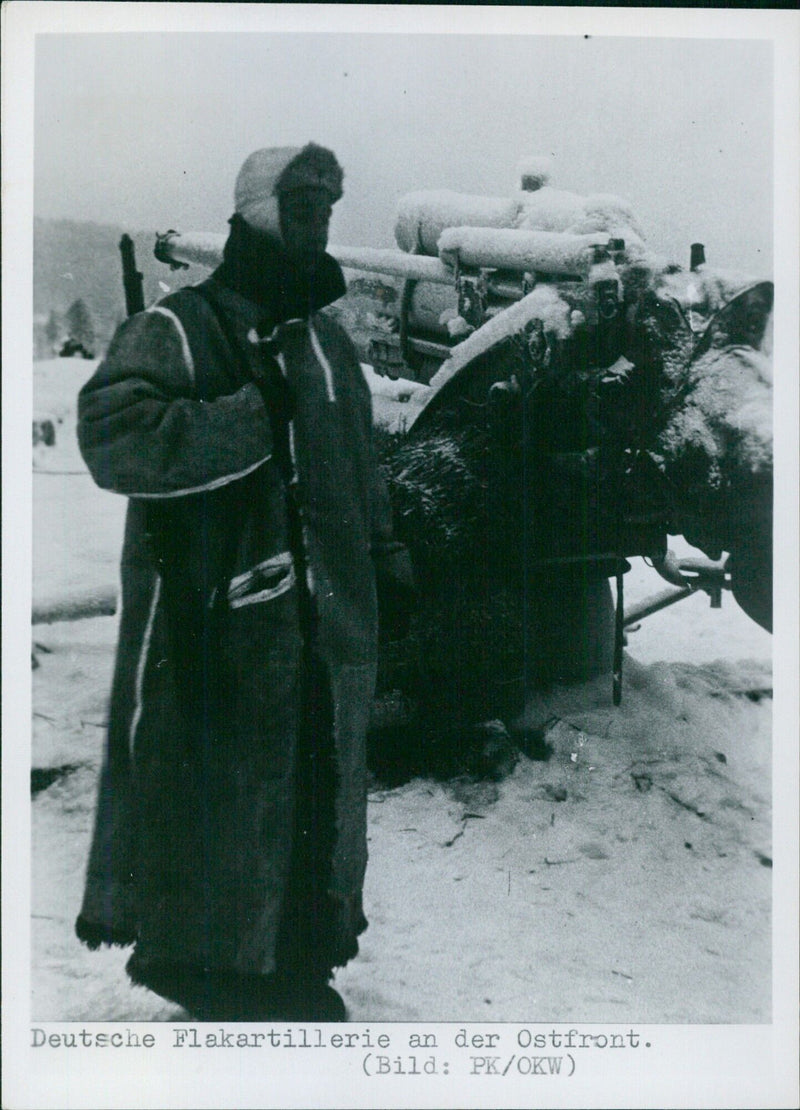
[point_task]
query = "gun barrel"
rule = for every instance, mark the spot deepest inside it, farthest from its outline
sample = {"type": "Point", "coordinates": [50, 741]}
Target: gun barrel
{"type": "Point", "coordinates": [503, 249]}
{"type": "Point", "coordinates": [416, 267]}
{"type": "Point", "coordinates": [202, 248]}
{"type": "Point", "coordinates": [205, 248]}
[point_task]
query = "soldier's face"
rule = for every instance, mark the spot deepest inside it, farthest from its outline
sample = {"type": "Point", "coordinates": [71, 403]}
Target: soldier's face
{"type": "Point", "coordinates": [304, 218]}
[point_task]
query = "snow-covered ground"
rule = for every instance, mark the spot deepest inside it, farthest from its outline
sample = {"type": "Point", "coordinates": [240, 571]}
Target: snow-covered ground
{"type": "Point", "coordinates": [573, 889]}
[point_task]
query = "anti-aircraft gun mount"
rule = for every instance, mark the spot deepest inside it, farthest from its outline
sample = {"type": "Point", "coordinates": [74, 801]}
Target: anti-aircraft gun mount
{"type": "Point", "coordinates": [564, 369]}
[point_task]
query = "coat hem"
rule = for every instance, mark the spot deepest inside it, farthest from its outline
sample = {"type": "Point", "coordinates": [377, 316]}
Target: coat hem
{"type": "Point", "coordinates": [93, 935]}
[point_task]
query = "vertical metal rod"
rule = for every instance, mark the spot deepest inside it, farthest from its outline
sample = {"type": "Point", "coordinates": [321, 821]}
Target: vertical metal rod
{"type": "Point", "coordinates": [131, 277]}
{"type": "Point", "coordinates": [697, 256]}
{"type": "Point", "coordinates": [619, 638]}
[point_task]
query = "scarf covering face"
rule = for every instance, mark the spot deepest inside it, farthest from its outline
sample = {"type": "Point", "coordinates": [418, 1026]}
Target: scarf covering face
{"type": "Point", "coordinates": [255, 265]}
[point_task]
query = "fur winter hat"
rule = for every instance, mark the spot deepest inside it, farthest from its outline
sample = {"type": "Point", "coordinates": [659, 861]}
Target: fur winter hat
{"type": "Point", "coordinates": [266, 173]}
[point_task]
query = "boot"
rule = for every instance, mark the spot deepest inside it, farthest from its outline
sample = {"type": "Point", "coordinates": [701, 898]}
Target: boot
{"type": "Point", "coordinates": [208, 994]}
{"type": "Point", "coordinates": [305, 999]}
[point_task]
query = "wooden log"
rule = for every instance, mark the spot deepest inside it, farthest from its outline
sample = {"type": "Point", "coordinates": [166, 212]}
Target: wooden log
{"type": "Point", "coordinates": [95, 602]}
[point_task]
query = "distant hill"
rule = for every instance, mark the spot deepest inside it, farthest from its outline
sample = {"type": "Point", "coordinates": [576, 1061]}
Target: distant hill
{"type": "Point", "coordinates": [73, 260]}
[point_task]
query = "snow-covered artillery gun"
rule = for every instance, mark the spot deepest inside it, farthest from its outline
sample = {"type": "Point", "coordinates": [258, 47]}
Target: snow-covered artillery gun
{"type": "Point", "coordinates": [581, 401]}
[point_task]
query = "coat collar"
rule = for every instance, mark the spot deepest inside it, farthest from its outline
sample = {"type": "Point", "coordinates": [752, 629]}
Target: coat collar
{"type": "Point", "coordinates": [255, 267]}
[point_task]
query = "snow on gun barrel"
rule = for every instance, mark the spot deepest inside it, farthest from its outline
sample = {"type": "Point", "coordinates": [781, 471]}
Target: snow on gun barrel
{"type": "Point", "coordinates": [680, 359]}
{"type": "Point", "coordinates": [552, 305]}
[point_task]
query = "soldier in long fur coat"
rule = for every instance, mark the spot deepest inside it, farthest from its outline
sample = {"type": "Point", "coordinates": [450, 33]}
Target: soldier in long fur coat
{"type": "Point", "coordinates": [230, 837]}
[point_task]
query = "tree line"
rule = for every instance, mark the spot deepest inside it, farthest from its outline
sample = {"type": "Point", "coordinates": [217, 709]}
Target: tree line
{"type": "Point", "coordinates": [70, 333]}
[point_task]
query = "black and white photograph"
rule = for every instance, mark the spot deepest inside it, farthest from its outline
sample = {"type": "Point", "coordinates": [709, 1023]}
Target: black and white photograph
{"type": "Point", "coordinates": [408, 539]}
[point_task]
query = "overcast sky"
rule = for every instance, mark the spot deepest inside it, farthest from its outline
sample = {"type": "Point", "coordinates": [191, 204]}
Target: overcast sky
{"type": "Point", "coordinates": [149, 130]}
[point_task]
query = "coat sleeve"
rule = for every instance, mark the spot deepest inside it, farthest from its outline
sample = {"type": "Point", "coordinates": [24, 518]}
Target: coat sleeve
{"type": "Point", "coordinates": [143, 433]}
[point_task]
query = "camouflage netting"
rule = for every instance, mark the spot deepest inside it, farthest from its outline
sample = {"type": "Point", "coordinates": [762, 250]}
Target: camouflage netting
{"type": "Point", "coordinates": [492, 624]}
{"type": "Point", "coordinates": [545, 444]}
{"type": "Point", "coordinates": [716, 443]}
{"type": "Point", "coordinates": [463, 660]}
{"type": "Point", "coordinates": [707, 353]}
